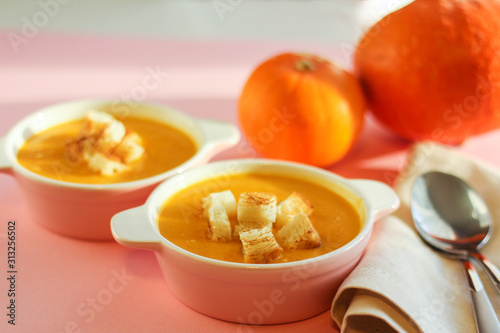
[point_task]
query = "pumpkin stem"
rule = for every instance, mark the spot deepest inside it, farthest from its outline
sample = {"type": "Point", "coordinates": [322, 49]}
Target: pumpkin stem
{"type": "Point", "coordinates": [305, 65]}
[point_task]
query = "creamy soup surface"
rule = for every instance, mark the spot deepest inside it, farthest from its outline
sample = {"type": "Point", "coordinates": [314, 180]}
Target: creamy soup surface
{"type": "Point", "coordinates": [165, 148]}
{"type": "Point", "coordinates": [181, 218]}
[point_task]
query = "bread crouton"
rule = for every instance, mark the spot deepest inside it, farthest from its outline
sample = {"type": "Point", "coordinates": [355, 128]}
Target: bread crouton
{"type": "Point", "coordinates": [130, 148]}
{"type": "Point", "coordinates": [105, 165]}
{"type": "Point", "coordinates": [104, 144]}
{"type": "Point", "coordinates": [95, 123]}
{"type": "Point", "coordinates": [225, 199]}
{"type": "Point", "coordinates": [78, 150]}
{"type": "Point", "coordinates": [295, 203]}
{"type": "Point", "coordinates": [256, 209]}
{"type": "Point", "coordinates": [218, 207]}
{"type": "Point", "coordinates": [219, 227]}
{"type": "Point", "coordinates": [110, 136]}
{"type": "Point", "coordinates": [299, 233]}
{"type": "Point", "coordinates": [259, 245]}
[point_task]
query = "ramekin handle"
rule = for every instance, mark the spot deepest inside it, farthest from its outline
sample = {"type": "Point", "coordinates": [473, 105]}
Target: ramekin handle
{"type": "Point", "coordinates": [381, 198]}
{"type": "Point", "coordinates": [219, 135]}
{"type": "Point", "coordinates": [132, 228]}
{"type": "Point", "coordinates": [5, 163]}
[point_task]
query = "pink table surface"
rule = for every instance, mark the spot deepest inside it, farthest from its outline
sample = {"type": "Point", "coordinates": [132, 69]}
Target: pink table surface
{"type": "Point", "coordinates": [68, 285]}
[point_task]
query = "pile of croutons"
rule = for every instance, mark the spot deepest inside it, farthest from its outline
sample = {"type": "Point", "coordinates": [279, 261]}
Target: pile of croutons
{"type": "Point", "coordinates": [105, 144]}
{"type": "Point", "coordinates": [257, 214]}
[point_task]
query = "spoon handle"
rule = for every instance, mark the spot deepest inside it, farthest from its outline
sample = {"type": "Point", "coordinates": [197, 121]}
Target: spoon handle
{"type": "Point", "coordinates": [491, 270]}
{"type": "Point", "coordinates": [484, 314]}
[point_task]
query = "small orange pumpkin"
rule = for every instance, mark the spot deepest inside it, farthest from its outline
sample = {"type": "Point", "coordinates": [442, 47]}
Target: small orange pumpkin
{"type": "Point", "coordinates": [302, 108]}
{"type": "Point", "coordinates": [431, 69]}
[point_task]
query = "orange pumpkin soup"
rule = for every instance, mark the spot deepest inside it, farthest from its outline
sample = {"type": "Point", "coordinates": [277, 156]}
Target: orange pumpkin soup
{"type": "Point", "coordinates": [165, 148]}
{"type": "Point", "coordinates": [182, 222]}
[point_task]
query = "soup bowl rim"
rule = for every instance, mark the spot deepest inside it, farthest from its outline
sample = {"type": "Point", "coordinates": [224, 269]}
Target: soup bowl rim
{"type": "Point", "coordinates": [153, 204]}
{"type": "Point", "coordinates": [203, 145]}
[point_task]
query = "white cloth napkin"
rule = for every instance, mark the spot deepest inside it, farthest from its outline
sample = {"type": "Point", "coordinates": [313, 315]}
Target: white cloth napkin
{"type": "Point", "coordinates": [400, 284]}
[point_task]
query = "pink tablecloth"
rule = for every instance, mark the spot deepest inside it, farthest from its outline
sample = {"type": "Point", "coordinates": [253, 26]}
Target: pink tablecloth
{"type": "Point", "coordinates": [67, 285]}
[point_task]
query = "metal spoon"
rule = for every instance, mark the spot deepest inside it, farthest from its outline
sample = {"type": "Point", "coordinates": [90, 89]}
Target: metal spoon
{"type": "Point", "coordinates": [454, 216]}
{"type": "Point", "coordinates": [451, 217]}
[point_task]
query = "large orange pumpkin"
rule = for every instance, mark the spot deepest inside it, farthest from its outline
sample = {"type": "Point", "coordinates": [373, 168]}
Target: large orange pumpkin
{"type": "Point", "coordinates": [431, 70]}
{"type": "Point", "coordinates": [302, 108]}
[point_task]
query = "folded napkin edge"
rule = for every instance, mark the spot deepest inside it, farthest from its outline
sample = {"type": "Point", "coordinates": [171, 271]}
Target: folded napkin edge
{"type": "Point", "coordinates": [348, 295]}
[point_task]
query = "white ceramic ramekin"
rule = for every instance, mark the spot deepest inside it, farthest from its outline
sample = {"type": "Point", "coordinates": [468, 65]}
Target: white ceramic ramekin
{"type": "Point", "coordinates": [84, 210]}
{"type": "Point", "coordinates": [249, 293]}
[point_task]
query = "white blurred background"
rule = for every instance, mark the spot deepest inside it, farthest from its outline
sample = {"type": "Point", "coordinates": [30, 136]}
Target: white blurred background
{"type": "Point", "coordinates": [299, 20]}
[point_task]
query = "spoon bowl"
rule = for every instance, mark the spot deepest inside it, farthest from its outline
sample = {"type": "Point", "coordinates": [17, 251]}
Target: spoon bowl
{"type": "Point", "coordinates": [450, 214]}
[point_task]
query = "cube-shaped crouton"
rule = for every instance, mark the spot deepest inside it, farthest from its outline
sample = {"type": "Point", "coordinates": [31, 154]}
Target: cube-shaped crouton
{"type": "Point", "coordinates": [219, 227]}
{"type": "Point", "coordinates": [130, 148]}
{"type": "Point", "coordinates": [295, 203]}
{"type": "Point", "coordinates": [78, 150]}
{"type": "Point", "coordinates": [259, 245]}
{"type": "Point", "coordinates": [111, 136]}
{"type": "Point", "coordinates": [256, 209]}
{"type": "Point", "coordinates": [104, 164]}
{"type": "Point", "coordinates": [225, 199]}
{"type": "Point", "coordinates": [96, 122]}
{"type": "Point", "coordinates": [299, 233]}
